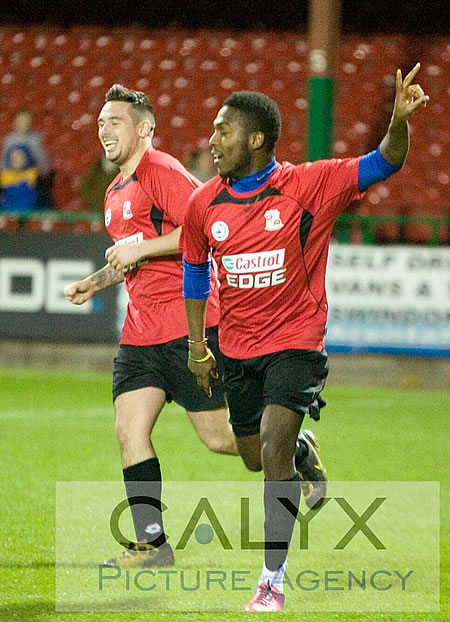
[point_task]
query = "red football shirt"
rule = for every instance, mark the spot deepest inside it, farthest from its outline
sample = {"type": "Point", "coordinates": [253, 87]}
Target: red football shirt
{"type": "Point", "coordinates": [271, 248]}
{"type": "Point", "coordinates": [151, 202]}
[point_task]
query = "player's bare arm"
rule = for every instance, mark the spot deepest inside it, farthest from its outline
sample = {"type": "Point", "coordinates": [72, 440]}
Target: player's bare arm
{"type": "Point", "coordinates": [201, 361]}
{"type": "Point", "coordinates": [81, 291]}
{"type": "Point", "coordinates": [120, 256]}
{"type": "Point", "coordinates": [409, 98]}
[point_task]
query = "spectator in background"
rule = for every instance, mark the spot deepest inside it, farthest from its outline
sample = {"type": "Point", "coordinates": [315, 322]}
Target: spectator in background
{"type": "Point", "coordinates": [23, 134]}
{"type": "Point", "coordinates": [96, 181]}
{"type": "Point", "coordinates": [200, 164]}
{"type": "Point", "coordinates": [18, 180]}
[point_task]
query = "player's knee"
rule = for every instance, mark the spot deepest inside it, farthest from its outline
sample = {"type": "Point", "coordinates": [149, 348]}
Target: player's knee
{"type": "Point", "coordinates": [220, 445]}
{"type": "Point", "coordinates": [274, 457]}
{"type": "Point", "coordinates": [123, 433]}
{"type": "Point", "coordinates": [251, 457]}
{"type": "Point", "coordinates": [253, 463]}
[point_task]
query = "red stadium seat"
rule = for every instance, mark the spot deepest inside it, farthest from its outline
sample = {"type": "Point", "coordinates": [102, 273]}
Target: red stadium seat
{"type": "Point", "coordinates": [8, 223]}
{"type": "Point", "coordinates": [61, 42]}
{"type": "Point", "coordinates": [16, 39]}
{"type": "Point", "coordinates": [38, 224]}
{"type": "Point", "coordinates": [62, 75]}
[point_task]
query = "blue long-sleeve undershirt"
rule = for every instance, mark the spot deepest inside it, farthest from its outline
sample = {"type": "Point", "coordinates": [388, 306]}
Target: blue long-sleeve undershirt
{"type": "Point", "coordinates": [373, 168]}
{"type": "Point", "coordinates": [196, 280]}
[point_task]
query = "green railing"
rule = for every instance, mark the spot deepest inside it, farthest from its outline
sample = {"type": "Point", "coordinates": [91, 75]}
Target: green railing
{"type": "Point", "coordinates": [348, 228]}
{"type": "Point", "coordinates": [52, 220]}
{"type": "Point", "coordinates": [367, 226]}
{"type": "Point", "coordinates": [52, 216]}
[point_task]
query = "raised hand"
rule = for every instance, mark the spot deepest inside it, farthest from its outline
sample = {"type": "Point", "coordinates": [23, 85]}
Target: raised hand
{"type": "Point", "coordinates": [409, 97]}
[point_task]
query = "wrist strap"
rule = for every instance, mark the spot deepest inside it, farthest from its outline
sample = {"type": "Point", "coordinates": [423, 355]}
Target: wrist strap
{"type": "Point", "coordinates": [205, 358]}
{"type": "Point", "coordinates": [204, 340]}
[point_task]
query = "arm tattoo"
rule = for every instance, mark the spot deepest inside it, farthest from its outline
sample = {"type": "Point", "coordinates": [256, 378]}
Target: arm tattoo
{"type": "Point", "coordinates": [106, 277]}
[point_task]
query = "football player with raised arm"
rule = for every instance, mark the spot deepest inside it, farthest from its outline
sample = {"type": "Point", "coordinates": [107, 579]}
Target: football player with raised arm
{"type": "Point", "coordinates": [268, 225]}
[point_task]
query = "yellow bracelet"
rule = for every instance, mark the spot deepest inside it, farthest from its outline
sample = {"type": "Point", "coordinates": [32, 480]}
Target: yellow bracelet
{"type": "Point", "coordinates": [205, 358]}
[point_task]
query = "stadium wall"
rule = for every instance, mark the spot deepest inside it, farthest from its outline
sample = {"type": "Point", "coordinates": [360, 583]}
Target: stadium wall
{"type": "Point", "coordinates": [34, 267]}
{"type": "Point", "coordinates": [386, 300]}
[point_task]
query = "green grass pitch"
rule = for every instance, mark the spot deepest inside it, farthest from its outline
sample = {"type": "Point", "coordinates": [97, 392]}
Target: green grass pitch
{"type": "Point", "coordinates": [58, 426]}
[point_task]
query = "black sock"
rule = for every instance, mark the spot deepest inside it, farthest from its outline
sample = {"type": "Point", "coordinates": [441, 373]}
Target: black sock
{"type": "Point", "coordinates": [279, 519]}
{"type": "Point", "coordinates": [144, 480]}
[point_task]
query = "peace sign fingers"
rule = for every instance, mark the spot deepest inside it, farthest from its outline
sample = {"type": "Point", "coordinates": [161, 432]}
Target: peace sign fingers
{"type": "Point", "coordinates": [409, 97]}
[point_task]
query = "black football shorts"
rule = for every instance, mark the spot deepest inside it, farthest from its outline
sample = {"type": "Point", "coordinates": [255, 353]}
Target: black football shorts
{"type": "Point", "coordinates": [290, 378]}
{"type": "Point", "coordinates": [165, 366]}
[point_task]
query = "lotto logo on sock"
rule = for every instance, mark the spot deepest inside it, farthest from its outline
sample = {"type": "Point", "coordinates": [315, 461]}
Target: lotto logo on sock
{"type": "Point", "coordinates": [153, 529]}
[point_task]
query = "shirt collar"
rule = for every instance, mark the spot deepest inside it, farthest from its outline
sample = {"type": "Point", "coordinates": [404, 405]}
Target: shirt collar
{"type": "Point", "coordinates": [255, 180]}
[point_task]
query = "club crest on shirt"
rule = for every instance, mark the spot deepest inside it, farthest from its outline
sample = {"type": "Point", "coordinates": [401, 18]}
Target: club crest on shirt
{"type": "Point", "coordinates": [273, 220]}
{"type": "Point", "coordinates": [220, 230]}
{"type": "Point", "coordinates": [127, 213]}
{"type": "Point", "coordinates": [108, 217]}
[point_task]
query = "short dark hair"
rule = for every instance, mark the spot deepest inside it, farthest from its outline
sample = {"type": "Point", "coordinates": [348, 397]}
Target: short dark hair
{"type": "Point", "coordinates": [260, 112]}
{"type": "Point", "coordinates": [139, 101]}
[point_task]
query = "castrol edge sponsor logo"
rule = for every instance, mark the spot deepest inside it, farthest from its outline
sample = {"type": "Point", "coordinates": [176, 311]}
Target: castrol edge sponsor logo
{"type": "Point", "coordinates": [268, 265]}
{"type": "Point", "coordinates": [253, 262]}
